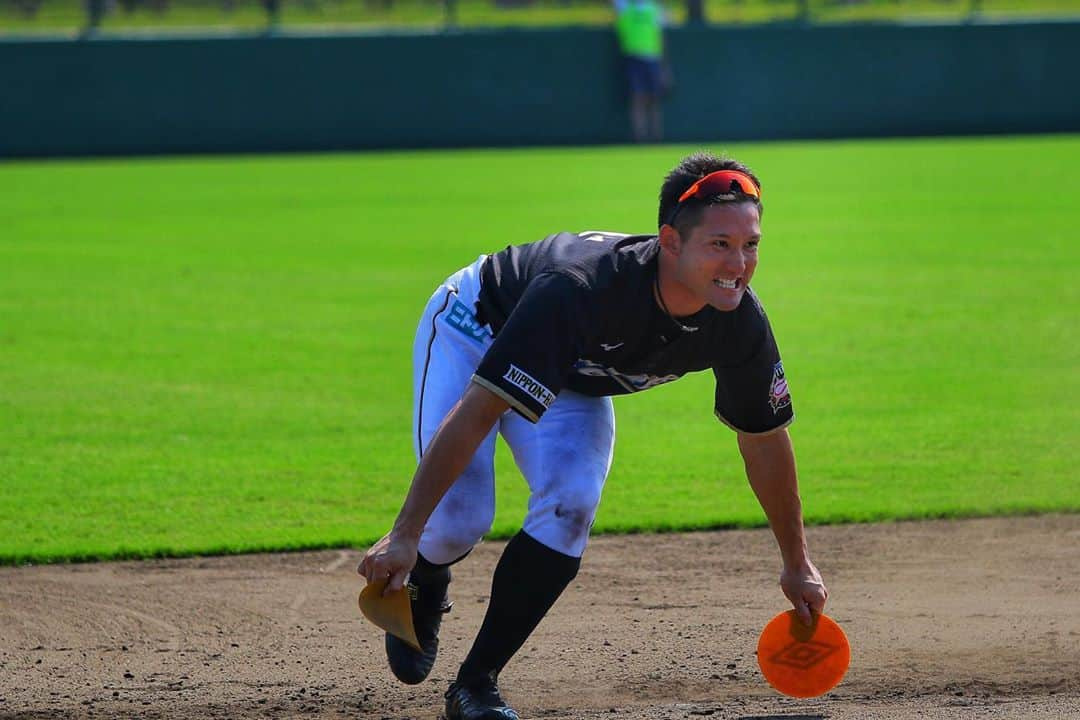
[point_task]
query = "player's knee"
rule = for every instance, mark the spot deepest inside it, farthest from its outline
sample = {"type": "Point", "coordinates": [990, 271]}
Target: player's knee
{"type": "Point", "coordinates": [472, 530]}
{"type": "Point", "coordinates": [450, 542]}
{"type": "Point", "coordinates": [576, 521]}
{"type": "Point", "coordinates": [461, 518]}
{"type": "Point", "coordinates": [563, 520]}
{"type": "Point", "coordinates": [575, 515]}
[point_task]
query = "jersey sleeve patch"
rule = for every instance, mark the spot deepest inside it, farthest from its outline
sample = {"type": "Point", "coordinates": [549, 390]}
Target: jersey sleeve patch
{"type": "Point", "coordinates": [535, 350]}
{"type": "Point", "coordinates": [516, 405]}
{"type": "Point", "coordinates": [779, 397]}
{"type": "Point", "coordinates": [529, 385]}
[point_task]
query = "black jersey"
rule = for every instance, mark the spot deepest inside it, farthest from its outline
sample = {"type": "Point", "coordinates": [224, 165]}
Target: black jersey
{"type": "Point", "coordinates": [577, 311]}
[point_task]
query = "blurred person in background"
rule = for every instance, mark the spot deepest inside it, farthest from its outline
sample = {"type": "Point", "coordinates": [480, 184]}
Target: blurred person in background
{"type": "Point", "coordinates": [639, 27]}
{"type": "Point", "coordinates": [273, 13]}
{"type": "Point", "coordinates": [95, 13]}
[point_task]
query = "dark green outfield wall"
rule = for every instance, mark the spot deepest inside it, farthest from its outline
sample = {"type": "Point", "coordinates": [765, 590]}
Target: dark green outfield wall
{"type": "Point", "coordinates": [118, 96]}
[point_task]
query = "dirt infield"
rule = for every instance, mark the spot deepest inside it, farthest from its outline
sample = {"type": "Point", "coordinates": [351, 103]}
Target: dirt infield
{"type": "Point", "coordinates": [969, 619]}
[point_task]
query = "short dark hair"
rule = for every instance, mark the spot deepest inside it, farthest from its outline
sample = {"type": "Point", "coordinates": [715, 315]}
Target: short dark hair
{"type": "Point", "coordinates": [689, 170]}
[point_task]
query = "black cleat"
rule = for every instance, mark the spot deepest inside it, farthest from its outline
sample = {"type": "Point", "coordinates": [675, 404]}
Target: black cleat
{"type": "Point", "coordinates": [483, 702]}
{"type": "Point", "coordinates": [429, 603]}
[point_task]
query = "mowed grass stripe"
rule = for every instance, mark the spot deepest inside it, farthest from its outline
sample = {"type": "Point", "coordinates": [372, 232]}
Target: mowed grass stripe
{"type": "Point", "coordinates": [213, 354]}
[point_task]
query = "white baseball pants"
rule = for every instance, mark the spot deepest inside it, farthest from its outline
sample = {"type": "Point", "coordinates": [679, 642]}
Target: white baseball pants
{"type": "Point", "coordinates": [565, 457]}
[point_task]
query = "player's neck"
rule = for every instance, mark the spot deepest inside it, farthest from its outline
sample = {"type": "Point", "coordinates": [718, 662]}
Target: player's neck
{"type": "Point", "coordinates": [673, 297]}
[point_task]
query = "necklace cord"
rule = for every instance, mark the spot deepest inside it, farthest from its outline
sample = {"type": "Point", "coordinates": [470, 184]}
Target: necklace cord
{"type": "Point", "coordinates": [663, 306]}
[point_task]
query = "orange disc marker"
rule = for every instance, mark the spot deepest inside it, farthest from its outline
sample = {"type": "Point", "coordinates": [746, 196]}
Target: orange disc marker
{"type": "Point", "coordinates": [803, 661]}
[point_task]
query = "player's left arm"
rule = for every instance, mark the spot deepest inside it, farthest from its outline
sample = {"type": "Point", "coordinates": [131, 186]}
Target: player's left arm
{"type": "Point", "coordinates": [770, 467]}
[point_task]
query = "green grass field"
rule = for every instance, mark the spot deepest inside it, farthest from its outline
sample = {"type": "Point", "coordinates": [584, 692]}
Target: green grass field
{"type": "Point", "coordinates": [211, 355]}
{"type": "Point", "coordinates": [69, 15]}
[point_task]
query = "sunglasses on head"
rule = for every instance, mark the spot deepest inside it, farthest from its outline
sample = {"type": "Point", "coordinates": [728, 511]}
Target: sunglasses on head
{"type": "Point", "coordinates": [721, 182]}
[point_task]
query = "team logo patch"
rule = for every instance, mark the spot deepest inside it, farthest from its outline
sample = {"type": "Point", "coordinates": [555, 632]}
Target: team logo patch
{"type": "Point", "coordinates": [779, 397]}
{"type": "Point", "coordinates": [462, 319]}
{"type": "Point", "coordinates": [529, 385]}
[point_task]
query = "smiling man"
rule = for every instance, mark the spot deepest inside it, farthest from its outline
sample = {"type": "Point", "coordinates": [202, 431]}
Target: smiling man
{"type": "Point", "coordinates": [532, 342]}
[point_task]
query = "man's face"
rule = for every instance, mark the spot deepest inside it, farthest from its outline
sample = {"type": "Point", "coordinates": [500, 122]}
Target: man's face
{"type": "Point", "coordinates": [716, 258]}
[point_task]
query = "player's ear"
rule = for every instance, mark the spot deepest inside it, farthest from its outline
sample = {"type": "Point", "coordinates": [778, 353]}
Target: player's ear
{"type": "Point", "coordinates": [670, 239]}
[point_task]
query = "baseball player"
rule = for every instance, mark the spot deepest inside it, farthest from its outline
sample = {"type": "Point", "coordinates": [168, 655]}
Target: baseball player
{"type": "Point", "coordinates": [532, 342]}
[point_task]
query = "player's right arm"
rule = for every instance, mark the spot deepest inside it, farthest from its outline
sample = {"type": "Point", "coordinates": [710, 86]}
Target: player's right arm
{"type": "Point", "coordinates": [446, 457]}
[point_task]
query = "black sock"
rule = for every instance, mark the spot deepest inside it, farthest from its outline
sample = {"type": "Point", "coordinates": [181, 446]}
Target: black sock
{"type": "Point", "coordinates": [426, 572]}
{"type": "Point", "coordinates": [528, 580]}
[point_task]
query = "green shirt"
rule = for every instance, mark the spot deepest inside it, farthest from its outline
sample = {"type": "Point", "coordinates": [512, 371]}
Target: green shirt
{"type": "Point", "coordinates": [639, 29]}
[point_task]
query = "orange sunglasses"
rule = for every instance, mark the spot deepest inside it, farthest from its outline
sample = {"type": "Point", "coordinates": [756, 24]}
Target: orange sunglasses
{"type": "Point", "coordinates": [722, 182]}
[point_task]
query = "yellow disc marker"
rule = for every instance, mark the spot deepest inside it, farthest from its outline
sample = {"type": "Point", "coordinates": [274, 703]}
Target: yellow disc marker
{"type": "Point", "coordinates": [391, 612]}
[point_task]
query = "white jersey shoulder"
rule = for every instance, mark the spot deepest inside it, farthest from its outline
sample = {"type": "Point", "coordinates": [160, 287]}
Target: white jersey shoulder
{"type": "Point", "coordinates": [601, 235]}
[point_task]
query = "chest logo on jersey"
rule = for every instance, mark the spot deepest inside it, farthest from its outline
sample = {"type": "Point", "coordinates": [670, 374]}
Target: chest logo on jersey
{"type": "Point", "coordinates": [779, 397]}
{"type": "Point", "coordinates": [530, 385]}
{"type": "Point", "coordinates": [630, 383]}
{"type": "Point", "coordinates": [461, 318]}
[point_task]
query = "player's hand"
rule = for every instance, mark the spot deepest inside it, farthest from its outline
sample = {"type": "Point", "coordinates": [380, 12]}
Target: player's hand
{"type": "Point", "coordinates": [805, 589]}
{"type": "Point", "coordinates": [392, 557]}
